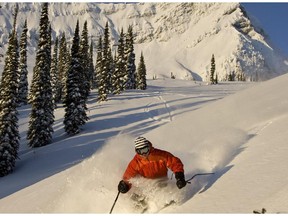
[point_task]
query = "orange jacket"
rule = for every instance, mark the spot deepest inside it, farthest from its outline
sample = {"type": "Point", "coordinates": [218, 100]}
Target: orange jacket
{"type": "Point", "coordinates": [154, 166]}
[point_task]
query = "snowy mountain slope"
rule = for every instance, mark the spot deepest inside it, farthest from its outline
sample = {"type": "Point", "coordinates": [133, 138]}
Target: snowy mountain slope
{"type": "Point", "coordinates": [241, 137]}
{"type": "Point", "coordinates": [244, 141]}
{"type": "Point", "coordinates": [174, 37]}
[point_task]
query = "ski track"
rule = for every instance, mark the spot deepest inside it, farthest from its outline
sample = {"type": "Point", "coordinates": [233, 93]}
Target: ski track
{"type": "Point", "coordinates": [155, 114]}
{"type": "Point", "coordinates": [257, 130]}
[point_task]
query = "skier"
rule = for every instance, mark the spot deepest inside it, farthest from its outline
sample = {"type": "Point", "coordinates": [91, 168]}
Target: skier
{"type": "Point", "coordinates": [152, 163]}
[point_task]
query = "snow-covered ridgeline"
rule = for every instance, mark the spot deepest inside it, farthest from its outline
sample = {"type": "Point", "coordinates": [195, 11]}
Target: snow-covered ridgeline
{"type": "Point", "coordinates": [174, 37]}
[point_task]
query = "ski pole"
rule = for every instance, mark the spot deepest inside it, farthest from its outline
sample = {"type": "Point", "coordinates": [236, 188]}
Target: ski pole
{"type": "Point", "coordinates": [189, 180]}
{"type": "Point", "coordinates": [114, 202]}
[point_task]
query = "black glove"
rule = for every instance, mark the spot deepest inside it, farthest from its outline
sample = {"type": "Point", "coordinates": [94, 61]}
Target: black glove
{"type": "Point", "coordinates": [123, 187]}
{"type": "Point", "coordinates": [180, 180]}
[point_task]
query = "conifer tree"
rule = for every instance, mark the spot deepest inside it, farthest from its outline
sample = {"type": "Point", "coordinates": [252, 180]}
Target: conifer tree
{"type": "Point", "coordinates": [55, 81]}
{"type": "Point", "coordinates": [239, 72]}
{"type": "Point", "coordinates": [130, 59]}
{"type": "Point", "coordinates": [49, 50]}
{"type": "Point", "coordinates": [212, 70]}
{"type": "Point", "coordinates": [120, 75]}
{"type": "Point", "coordinates": [9, 134]}
{"type": "Point", "coordinates": [91, 66]}
{"type": "Point", "coordinates": [141, 74]}
{"type": "Point", "coordinates": [85, 61]}
{"type": "Point", "coordinates": [41, 117]}
{"type": "Point", "coordinates": [99, 63]}
{"type": "Point", "coordinates": [23, 80]}
{"type": "Point", "coordinates": [113, 73]}
{"type": "Point", "coordinates": [67, 66]}
{"type": "Point", "coordinates": [63, 61]}
{"type": "Point", "coordinates": [17, 49]}
{"type": "Point", "coordinates": [231, 76]}
{"type": "Point", "coordinates": [103, 87]}
{"type": "Point", "coordinates": [111, 70]}
{"type": "Point", "coordinates": [75, 108]}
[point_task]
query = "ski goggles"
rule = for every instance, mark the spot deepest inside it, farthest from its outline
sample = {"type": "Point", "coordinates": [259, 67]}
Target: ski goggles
{"type": "Point", "coordinates": [143, 151]}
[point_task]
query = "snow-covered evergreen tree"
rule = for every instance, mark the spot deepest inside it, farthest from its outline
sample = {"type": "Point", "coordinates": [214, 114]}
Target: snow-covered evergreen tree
{"type": "Point", "coordinates": [41, 117]}
{"type": "Point", "coordinates": [85, 61]}
{"type": "Point", "coordinates": [55, 81]}
{"type": "Point", "coordinates": [141, 74]}
{"type": "Point", "coordinates": [111, 71]}
{"type": "Point", "coordinates": [23, 72]}
{"type": "Point", "coordinates": [91, 66]}
{"type": "Point", "coordinates": [130, 59]}
{"type": "Point", "coordinates": [63, 61]}
{"type": "Point", "coordinates": [75, 108]}
{"type": "Point", "coordinates": [120, 74]}
{"type": "Point", "coordinates": [49, 50]}
{"type": "Point", "coordinates": [212, 70]}
{"type": "Point", "coordinates": [240, 75]}
{"type": "Point", "coordinates": [103, 84]}
{"type": "Point", "coordinates": [99, 64]}
{"type": "Point", "coordinates": [9, 134]}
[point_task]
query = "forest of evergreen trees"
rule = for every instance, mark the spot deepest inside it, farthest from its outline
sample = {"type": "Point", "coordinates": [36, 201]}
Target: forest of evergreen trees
{"type": "Point", "coordinates": [60, 75]}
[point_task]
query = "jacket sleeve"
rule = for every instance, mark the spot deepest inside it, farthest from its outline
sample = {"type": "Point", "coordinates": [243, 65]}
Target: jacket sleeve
{"type": "Point", "coordinates": [174, 163]}
{"type": "Point", "coordinates": [131, 170]}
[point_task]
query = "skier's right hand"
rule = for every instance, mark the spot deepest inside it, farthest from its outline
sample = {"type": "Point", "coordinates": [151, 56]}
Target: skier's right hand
{"type": "Point", "coordinates": [181, 183]}
{"type": "Point", "coordinates": [123, 187]}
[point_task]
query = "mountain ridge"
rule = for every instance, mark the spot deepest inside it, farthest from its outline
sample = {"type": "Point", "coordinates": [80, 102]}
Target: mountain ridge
{"type": "Point", "coordinates": [177, 38]}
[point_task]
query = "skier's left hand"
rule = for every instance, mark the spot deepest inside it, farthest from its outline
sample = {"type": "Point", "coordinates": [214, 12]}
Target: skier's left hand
{"type": "Point", "coordinates": [181, 182]}
{"type": "Point", "coordinates": [123, 187]}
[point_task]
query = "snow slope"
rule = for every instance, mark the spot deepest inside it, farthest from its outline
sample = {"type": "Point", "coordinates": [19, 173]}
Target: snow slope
{"type": "Point", "coordinates": [237, 130]}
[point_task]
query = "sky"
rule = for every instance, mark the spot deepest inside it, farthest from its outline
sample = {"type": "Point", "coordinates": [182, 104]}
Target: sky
{"type": "Point", "coordinates": [273, 18]}
{"type": "Point", "coordinates": [222, 129]}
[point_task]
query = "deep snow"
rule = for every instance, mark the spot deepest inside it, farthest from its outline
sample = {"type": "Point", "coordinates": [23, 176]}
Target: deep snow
{"type": "Point", "coordinates": [241, 137]}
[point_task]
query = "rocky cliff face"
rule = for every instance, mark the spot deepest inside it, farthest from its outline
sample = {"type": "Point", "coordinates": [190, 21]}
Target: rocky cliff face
{"type": "Point", "coordinates": [177, 38]}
